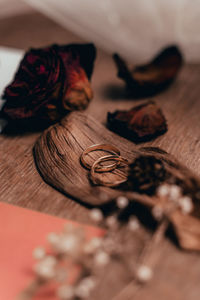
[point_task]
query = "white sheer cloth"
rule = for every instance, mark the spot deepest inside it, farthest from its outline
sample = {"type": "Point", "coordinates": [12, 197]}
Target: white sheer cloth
{"type": "Point", "coordinates": [136, 29]}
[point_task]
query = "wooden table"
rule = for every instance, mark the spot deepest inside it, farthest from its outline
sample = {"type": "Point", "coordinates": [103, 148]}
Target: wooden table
{"type": "Point", "coordinates": [20, 184]}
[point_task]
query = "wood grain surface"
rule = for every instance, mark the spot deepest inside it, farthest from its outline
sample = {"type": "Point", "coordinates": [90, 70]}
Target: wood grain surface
{"type": "Point", "coordinates": [177, 274]}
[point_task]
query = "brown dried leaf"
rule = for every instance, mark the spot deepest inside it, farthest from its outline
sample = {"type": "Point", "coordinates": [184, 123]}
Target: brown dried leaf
{"type": "Point", "coordinates": [187, 229]}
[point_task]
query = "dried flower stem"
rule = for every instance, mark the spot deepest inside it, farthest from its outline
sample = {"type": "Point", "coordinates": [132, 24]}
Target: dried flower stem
{"type": "Point", "coordinates": [31, 290]}
{"type": "Point", "coordinates": [143, 199]}
{"type": "Point", "coordinates": [129, 292]}
{"type": "Point", "coordinates": [148, 257]}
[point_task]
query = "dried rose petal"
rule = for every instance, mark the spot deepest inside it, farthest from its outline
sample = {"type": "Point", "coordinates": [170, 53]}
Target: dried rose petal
{"type": "Point", "coordinates": [139, 124]}
{"type": "Point", "coordinates": [149, 79]}
{"type": "Point", "coordinates": [50, 82]}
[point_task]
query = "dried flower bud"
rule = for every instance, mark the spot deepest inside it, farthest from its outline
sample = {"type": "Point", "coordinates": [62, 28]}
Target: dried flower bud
{"type": "Point", "coordinates": [91, 246]}
{"type": "Point", "coordinates": [39, 253]}
{"type": "Point", "coordinates": [186, 204]}
{"type": "Point", "coordinates": [163, 191]}
{"type": "Point", "coordinates": [49, 83]}
{"type": "Point", "coordinates": [139, 124]}
{"type": "Point", "coordinates": [46, 267]}
{"type": "Point", "coordinates": [53, 238]}
{"type": "Point", "coordinates": [65, 292]}
{"type": "Point", "coordinates": [144, 273]}
{"type": "Point", "coordinates": [85, 286]}
{"type": "Point", "coordinates": [122, 202]}
{"type": "Point", "coordinates": [157, 212]}
{"type": "Point", "coordinates": [111, 221]}
{"type": "Point", "coordinates": [149, 79]}
{"type": "Point", "coordinates": [146, 173]}
{"type": "Point", "coordinates": [174, 192]}
{"type": "Point", "coordinates": [96, 215]}
{"type": "Point", "coordinates": [68, 243]}
{"type": "Point", "coordinates": [133, 223]}
{"type": "Point", "coordinates": [101, 258]}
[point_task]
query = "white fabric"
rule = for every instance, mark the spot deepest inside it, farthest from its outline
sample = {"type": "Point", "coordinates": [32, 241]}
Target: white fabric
{"type": "Point", "coordinates": [136, 29]}
{"type": "Point", "coordinates": [9, 61]}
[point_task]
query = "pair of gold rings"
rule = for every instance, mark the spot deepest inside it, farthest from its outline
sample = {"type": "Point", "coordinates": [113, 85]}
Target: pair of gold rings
{"type": "Point", "coordinates": [98, 167]}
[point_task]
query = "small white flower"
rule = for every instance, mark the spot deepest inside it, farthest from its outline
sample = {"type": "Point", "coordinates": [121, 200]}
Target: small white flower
{"type": "Point", "coordinates": [163, 190]}
{"type": "Point", "coordinates": [144, 273]}
{"type": "Point", "coordinates": [96, 215]}
{"type": "Point", "coordinates": [82, 291]}
{"type": "Point", "coordinates": [44, 270]}
{"type": "Point", "coordinates": [68, 243]}
{"type": "Point", "coordinates": [49, 260]}
{"type": "Point", "coordinates": [133, 224]}
{"type": "Point", "coordinates": [39, 253]}
{"type": "Point", "coordinates": [174, 192]}
{"type": "Point", "coordinates": [85, 286]}
{"type": "Point", "coordinates": [111, 221]}
{"type": "Point", "coordinates": [157, 212]}
{"type": "Point", "coordinates": [53, 238]}
{"type": "Point", "coordinates": [186, 204]}
{"type": "Point", "coordinates": [65, 292]}
{"type": "Point", "coordinates": [102, 258]}
{"type": "Point", "coordinates": [92, 245]}
{"type": "Point", "coordinates": [88, 282]}
{"type": "Point", "coordinates": [122, 202]}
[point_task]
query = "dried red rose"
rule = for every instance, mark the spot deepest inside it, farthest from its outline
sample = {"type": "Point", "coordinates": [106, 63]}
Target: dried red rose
{"type": "Point", "coordinates": [149, 79]}
{"type": "Point", "coordinates": [50, 82]}
{"type": "Point", "coordinates": [139, 124]}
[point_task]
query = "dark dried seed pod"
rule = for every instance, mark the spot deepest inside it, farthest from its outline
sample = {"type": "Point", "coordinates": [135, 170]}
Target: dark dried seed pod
{"type": "Point", "coordinates": [146, 173]}
{"type": "Point", "coordinates": [151, 78]}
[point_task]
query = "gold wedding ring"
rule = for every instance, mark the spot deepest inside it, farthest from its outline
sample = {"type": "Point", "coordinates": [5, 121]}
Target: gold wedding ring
{"type": "Point", "coordinates": [98, 167]}
{"type": "Point", "coordinates": [94, 167]}
{"type": "Point", "coordinates": [100, 147]}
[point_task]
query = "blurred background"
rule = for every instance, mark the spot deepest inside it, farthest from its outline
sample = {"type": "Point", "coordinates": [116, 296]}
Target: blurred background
{"type": "Point", "coordinates": [12, 7]}
{"type": "Point", "coordinates": [136, 29]}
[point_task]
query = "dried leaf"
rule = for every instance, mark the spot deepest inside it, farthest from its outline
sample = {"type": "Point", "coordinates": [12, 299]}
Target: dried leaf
{"type": "Point", "coordinates": [187, 229]}
{"type": "Point", "coordinates": [141, 123]}
{"type": "Point", "coordinates": [50, 82]}
{"type": "Point", "coordinates": [149, 79]}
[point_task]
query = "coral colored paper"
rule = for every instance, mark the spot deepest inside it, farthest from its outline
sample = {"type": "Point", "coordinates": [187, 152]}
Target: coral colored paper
{"type": "Point", "coordinates": [21, 230]}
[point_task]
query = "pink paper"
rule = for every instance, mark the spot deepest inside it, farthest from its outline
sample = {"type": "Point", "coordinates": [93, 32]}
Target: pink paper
{"type": "Point", "coordinates": [22, 230]}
